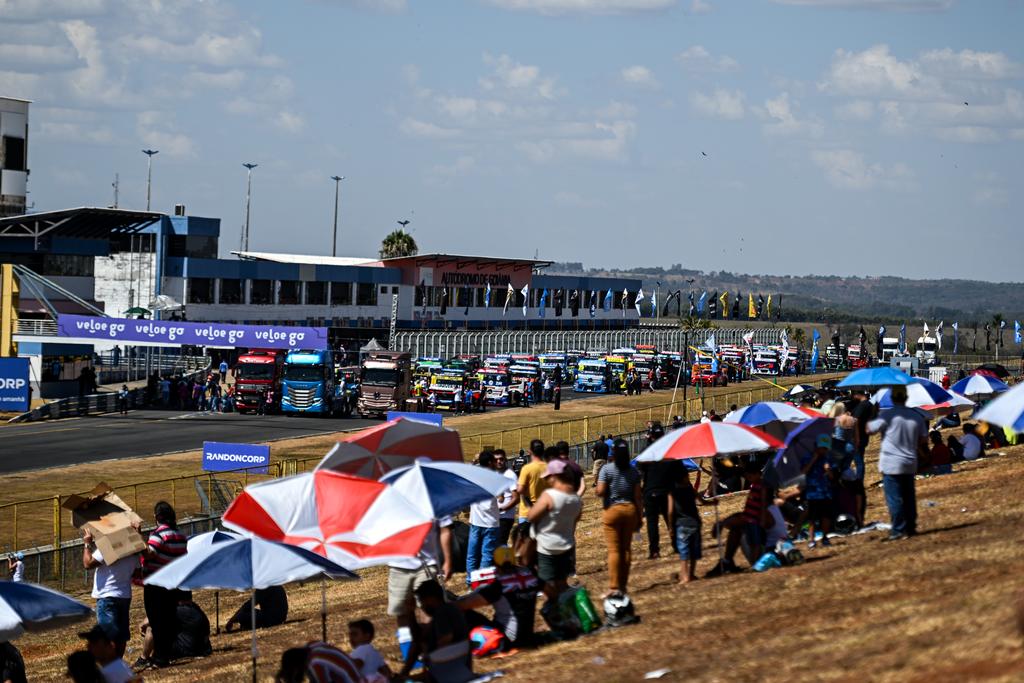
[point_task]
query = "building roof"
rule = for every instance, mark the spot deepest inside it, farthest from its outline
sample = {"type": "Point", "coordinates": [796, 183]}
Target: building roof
{"type": "Point", "coordinates": [306, 259]}
{"type": "Point", "coordinates": [83, 222]}
{"type": "Point", "coordinates": [464, 260]}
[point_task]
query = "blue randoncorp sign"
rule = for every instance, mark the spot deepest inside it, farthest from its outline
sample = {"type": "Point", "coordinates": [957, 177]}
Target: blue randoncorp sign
{"type": "Point", "coordinates": [177, 332]}
{"type": "Point", "coordinates": [14, 387]}
{"type": "Point", "coordinates": [221, 457]}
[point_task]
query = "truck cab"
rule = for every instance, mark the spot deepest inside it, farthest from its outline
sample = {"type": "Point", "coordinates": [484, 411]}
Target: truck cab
{"type": "Point", "coordinates": [258, 374]}
{"type": "Point", "coordinates": [765, 362]}
{"type": "Point", "coordinates": [346, 388]}
{"type": "Point", "coordinates": [496, 385]}
{"type": "Point", "coordinates": [704, 372]}
{"type": "Point", "coordinates": [927, 350]}
{"type": "Point", "coordinates": [308, 385]}
{"type": "Point", "coordinates": [857, 357]}
{"type": "Point", "coordinates": [835, 357]}
{"type": "Point", "coordinates": [550, 362]}
{"type": "Point", "coordinates": [619, 367]}
{"type": "Point", "coordinates": [890, 349]}
{"type": "Point", "coordinates": [385, 382]}
{"type": "Point", "coordinates": [445, 384]}
{"type": "Point", "coordinates": [592, 376]}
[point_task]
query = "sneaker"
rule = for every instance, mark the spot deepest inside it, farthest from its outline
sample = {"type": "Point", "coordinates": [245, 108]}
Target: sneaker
{"type": "Point", "coordinates": [811, 545]}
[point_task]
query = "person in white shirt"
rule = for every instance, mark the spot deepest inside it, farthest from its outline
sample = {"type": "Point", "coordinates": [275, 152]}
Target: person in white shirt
{"type": "Point", "coordinates": [372, 666]}
{"type": "Point", "coordinates": [103, 648]}
{"type": "Point", "coordinates": [509, 503]}
{"type": "Point", "coordinates": [16, 566]}
{"type": "Point", "coordinates": [112, 589]}
{"type": "Point", "coordinates": [967, 447]}
{"type": "Point", "coordinates": [484, 526]}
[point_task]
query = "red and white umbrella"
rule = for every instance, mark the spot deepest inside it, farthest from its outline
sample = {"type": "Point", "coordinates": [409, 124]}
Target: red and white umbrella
{"type": "Point", "coordinates": [351, 521]}
{"type": "Point", "coordinates": [708, 440]}
{"type": "Point", "coordinates": [373, 452]}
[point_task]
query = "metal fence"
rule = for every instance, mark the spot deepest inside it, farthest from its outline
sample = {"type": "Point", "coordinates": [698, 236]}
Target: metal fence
{"type": "Point", "coordinates": [454, 343]}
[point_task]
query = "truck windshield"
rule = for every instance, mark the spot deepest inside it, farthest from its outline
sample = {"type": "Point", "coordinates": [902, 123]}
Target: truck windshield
{"type": "Point", "coordinates": [304, 373]}
{"type": "Point", "coordinates": [380, 376]}
{"type": "Point", "coordinates": [254, 371]}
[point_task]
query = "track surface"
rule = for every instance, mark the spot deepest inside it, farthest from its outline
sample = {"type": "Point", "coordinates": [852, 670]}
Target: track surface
{"type": "Point", "coordinates": [152, 432]}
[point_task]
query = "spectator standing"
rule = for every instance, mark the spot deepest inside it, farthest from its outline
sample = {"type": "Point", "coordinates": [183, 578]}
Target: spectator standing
{"type": "Point", "coordinates": [618, 485]}
{"type": "Point", "coordinates": [223, 370]}
{"type": "Point", "coordinates": [600, 449]}
{"type": "Point", "coordinates": [508, 504]}
{"type": "Point", "coordinates": [904, 439]}
{"type": "Point", "coordinates": [684, 523]}
{"type": "Point", "coordinates": [122, 400]}
{"type": "Point", "coordinates": [553, 518]}
{"type": "Point", "coordinates": [112, 589]}
{"type": "Point", "coordinates": [820, 507]}
{"type": "Point", "coordinates": [484, 526]}
{"type": "Point", "coordinates": [165, 545]}
{"type": "Point", "coordinates": [16, 566]}
{"type": "Point", "coordinates": [531, 485]}
{"type": "Point", "coordinates": [659, 479]}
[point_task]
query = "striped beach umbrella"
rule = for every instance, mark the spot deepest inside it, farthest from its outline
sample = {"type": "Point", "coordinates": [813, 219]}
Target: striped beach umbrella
{"type": "Point", "coordinates": [708, 440]}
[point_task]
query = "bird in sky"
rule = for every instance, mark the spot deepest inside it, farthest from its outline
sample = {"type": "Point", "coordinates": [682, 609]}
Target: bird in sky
{"type": "Point", "coordinates": [705, 153]}
{"type": "Point", "coordinates": [966, 105]}
{"type": "Point", "coordinates": [404, 223]}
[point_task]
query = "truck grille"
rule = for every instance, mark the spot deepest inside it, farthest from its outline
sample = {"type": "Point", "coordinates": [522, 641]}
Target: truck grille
{"type": "Point", "coordinates": [302, 398]}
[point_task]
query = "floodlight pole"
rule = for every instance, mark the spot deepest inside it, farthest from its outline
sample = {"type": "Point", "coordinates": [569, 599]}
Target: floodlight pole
{"type": "Point", "coordinates": [248, 205]}
{"type": "Point", "coordinates": [149, 175]}
{"type": "Point", "coordinates": [337, 188]}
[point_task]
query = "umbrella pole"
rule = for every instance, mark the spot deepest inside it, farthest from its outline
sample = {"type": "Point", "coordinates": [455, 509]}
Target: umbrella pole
{"type": "Point", "coordinates": [323, 608]}
{"type": "Point", "coordinates": [714, 489]}
{"type": "Point", "coordinates": [252, 617]}
{"type": "Point", "coordinates": [216, 602]}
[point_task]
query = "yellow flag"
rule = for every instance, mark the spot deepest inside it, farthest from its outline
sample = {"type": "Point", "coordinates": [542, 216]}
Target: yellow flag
{"type": "Point", "coordinates": [768, 308]}
{"type": "Point", "coordinates": [725, 304]}
{"type": "Point", "coordinates": [751, 309]}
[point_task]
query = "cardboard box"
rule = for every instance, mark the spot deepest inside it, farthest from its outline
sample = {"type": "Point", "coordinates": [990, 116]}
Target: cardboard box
{"type": "Point", "coordinates": [110, 521]}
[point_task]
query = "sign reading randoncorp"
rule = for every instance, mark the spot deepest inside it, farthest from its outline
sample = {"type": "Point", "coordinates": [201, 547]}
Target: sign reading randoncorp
{"type": "Point", "coordinates": [195, 334]}
{"type": "Point", "coordinates": [14, 395]}
{"type": "Point", "coordinates": [220, 457]}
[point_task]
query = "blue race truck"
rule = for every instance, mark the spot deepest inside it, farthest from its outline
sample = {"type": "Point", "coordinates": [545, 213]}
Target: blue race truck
{"type": "Point", "coordinates": [308, 384]}
{"type": "Point", "coordinates": [592, 375]}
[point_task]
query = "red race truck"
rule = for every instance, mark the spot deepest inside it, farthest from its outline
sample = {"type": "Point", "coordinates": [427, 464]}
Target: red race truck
{"type": "Point", "coordinates": [258, 374]}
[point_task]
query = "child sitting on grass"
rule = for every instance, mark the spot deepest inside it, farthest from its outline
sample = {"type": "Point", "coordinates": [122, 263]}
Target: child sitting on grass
{"type": "Point", "coordinates": [371, 664]}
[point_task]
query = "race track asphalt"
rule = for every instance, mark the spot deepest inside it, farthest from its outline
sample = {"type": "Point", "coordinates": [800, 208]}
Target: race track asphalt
{"type": "Point", "coordinates": [146, 432]}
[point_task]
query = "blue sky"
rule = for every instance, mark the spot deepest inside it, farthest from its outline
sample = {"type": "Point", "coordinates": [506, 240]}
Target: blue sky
{"type": "Point", "coordinates": [836, 134]}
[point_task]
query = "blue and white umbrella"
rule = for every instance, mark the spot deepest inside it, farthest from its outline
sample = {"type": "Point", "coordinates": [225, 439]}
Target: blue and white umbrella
{"type": "Point", "coordinates": [757, 414]}
{"type": "Point", "coordinates": [927, 396]}
{"type": "Point", "coordinates": [28, 607]}
{"type": "Point", "coordinates": [875, 377]}
{"type": "Point", "coordinates": [246, 564]}
{"type": "Point", "coordinates": [979, 385]}
{"type": "Point", "coordinates": [1006, 411]}
{"type": "Point", "coordinates": [443, 488]}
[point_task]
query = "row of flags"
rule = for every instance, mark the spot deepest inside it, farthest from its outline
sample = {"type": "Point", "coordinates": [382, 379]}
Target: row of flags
{"type": "Point", "coordinates": [758, 309]}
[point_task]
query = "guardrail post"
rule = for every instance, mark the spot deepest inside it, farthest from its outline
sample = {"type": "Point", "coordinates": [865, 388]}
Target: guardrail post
{"type": "Point", "coordinates": [16, 544]}
{"type": "Point", "coordinates": [174, 494]}
{"type": "Point", "coordinates": [135, 496]}
{"type": "Point", "coordinates": [57, 566]}
{"type": "Point", "coordinates": [586, 429]}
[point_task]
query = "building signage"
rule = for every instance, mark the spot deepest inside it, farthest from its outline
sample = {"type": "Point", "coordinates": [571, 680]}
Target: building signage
{"type": "Point", "coordinates": [14, 386]}
{"type": "Point", "coordinates": [429, 418]}
{"type": "Point", "coordinates": [222, 457]}
{"type": "Point", "coordinates": [176, 332]}
{"type": "Point", "coordinates": [456, 278]}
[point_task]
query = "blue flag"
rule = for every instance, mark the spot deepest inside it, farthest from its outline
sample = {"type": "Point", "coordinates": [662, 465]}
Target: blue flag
{"type": "Point", "coordinates": [543, 302]}
{"type": "Point", "coordinates": [814, 349]}
{"type": "Point", "coordinates": [701, 302]}
{"type": "Point", "coordinates": [608, 301]}
{"type": "Point", "coordinates": [487, 296]}
{"type": "Point", "coordinates": [1016, 331]}
{"type": "Point", "coordinates": [903, 338]}
{"type": "Point", "coordinates": [654, 303]}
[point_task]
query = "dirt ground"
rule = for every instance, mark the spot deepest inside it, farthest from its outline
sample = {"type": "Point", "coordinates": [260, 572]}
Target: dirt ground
{"type": "Point", "coordinates": [938, 607]}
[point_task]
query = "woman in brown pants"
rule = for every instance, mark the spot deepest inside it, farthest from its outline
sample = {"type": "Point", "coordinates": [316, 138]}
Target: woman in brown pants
{"type": "Point", "coordinates": [618, 485]}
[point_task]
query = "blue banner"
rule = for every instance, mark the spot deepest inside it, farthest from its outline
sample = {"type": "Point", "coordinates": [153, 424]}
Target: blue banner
{"type": "Point", "coordinates": [429, 418]}
{"type": "Point", "coordinates": [174, 332]}
{"type": "Point", "coordinates": [14, 386]}
{"type": "Point", "coordinates": [814, 350]}
{"type": "Point", "coordinates": [221, 457]}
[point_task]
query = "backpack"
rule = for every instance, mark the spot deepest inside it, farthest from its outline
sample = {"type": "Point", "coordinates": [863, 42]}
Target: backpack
{"type": "Point", "coordinates": [619, 611]}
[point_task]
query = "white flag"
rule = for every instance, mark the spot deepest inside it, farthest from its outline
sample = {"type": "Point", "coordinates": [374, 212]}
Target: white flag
{"type": "Point", "coordinates": [639, 298]}
{"type": "Point", "coordinates": [925, 330]}
{"type": "Point", "coordinates": [785, 351]}
{"type": "Point", "coordinates": [748, 338]}
{"type": "Point", "coordinates": [509, 295]}
{"type": "Point", "coordinates": [526, 297]}
{"type": "Point", "coordinates": [938, 335]}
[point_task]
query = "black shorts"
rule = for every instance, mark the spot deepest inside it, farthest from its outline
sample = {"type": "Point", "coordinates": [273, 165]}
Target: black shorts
{"type": "Point", "coordinates": [554, 567]}
{"type": "Point", "coordinates": [819, 509]}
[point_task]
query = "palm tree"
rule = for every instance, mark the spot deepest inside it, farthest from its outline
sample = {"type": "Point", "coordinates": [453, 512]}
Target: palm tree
{"type": "Point", "coordinates": [398, 243]}
{"type": "Point", "coordinates": [799, 336]}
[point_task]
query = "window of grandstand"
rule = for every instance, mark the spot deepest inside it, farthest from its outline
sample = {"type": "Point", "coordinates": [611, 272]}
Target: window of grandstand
{"type": "Point", "coordinates": [200, 290]}
{"type": "Point", "coordinates": [67, 265]}
{"type": "Point", "coordinates": [316, 293]}
{"type": "Point", "coordinates": [192, 246]}
{"type": "Point", "coordinates": [143, 243]}
{"type": "Point", "coordinates": [341, 293]}
{"type": "Point", "coordinates": [261, 292]}
{"type": "Point", "coordinates": [366, 294]}
{"type": "Point", "coordinates": [230, 291]}
{"type": "Point", "coordinates": [14, 154]}
{"type": "Point", "coordinates": [289, 292]}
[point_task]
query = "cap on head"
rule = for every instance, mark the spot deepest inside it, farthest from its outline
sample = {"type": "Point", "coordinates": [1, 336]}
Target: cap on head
{"type": "Point", "coordinates": [556, 466]}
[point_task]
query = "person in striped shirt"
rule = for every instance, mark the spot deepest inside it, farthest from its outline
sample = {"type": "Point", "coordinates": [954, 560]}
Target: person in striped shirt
{"type": "Point", "coordinates": [165, 545]}
{"type": "Point", "coordinates": [317, 662]}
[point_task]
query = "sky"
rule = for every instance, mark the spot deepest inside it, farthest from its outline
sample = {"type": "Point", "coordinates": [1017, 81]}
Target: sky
{"type": "Point", "coordinates": [847, 137]}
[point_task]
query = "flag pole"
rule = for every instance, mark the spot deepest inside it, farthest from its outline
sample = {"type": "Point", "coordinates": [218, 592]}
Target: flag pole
{"type": "Point", "coordinates": [323, 608]}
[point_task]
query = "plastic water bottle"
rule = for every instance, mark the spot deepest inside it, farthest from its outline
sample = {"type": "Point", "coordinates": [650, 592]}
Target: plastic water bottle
{"type": "Point", "coordinates": [767, 561]}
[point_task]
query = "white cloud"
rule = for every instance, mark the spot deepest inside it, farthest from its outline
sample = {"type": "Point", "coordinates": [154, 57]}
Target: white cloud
{"type": "Point", "coordinates": [599, 141]}
{"type": "Point", "coordinates": [68, 131]}
{"type": "Point", "coordinates": [968, 134]}
{"type": "Point", "coordinates": [522, 80]}
{"type": "Point", "coordinates": [699, 7]}
{"type": "Point", "coordinates": [37, 57]}
{"type": "Point", "coordinates": [895, 5]}
{"type": "Point", "coordinates": [846, 169]}
{"type": "Point", "coordinates": [640, 76]}
{"type": "Point", "coordinates": [721, 104]}
{"type": "Point", "coordinates": [41, 10]}
{"type": "Point", "coordinates": [584, 6]}
{"type": "Point", "coordinates": [1017, 134]}
{"type": "Point", "coordinates": [460, 166]}
{"type": "Point", "coordinates": [696, 58]}
{"type": "Point", "coordinates": [424, 129]}
{"type": "Point", "coordinates": [876, 72]}
{"type": "Point", "coordinates": [216, 80]}
{"type": "Point", "coordinates": [784, 121]}
{"type": "Point", "coordinates": [156, 130]}
{"type": "Point", "coordinates": [990, 196]}
{"type": "Point", "coordinates": [215, 49]}
{"type": "Point", "coordinates": [289, 121]}
{"type": "Point", "coordinates": [970, 64]}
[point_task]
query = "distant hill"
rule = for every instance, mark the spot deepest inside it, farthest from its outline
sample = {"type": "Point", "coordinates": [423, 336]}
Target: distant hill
{"type": "Point", "coordinates": [839, 299]}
